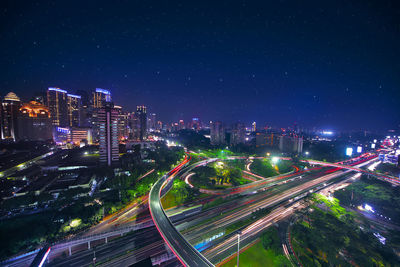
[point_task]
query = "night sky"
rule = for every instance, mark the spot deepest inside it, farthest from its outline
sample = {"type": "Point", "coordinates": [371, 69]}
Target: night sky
{"type": "Point", "coordinates": [333, 65]}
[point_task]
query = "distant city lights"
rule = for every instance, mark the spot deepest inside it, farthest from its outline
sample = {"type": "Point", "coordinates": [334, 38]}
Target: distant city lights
{"type": "Point", "coordinates": [349, 151]}
{"type": "Point", "coordinates": [327, 132]}
{"type": "Point", "coordinates": [359, 149]}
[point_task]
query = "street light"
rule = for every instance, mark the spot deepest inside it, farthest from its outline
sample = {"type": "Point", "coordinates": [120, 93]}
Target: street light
{"type": "Point", "coordinates": [238, 235]}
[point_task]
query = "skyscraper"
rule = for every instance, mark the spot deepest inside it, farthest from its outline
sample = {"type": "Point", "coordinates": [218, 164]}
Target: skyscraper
{"type": "Point", "coordinates": [141, 112]}
{"type": "Point", "coordinates": [122, 124]}
{"type": "Point", "coordinates": [217, 133]}
{"type": "Point", "coordinates": [291, 144]}
{"type": "Point", "coordinates": [237, 134]}
{"type": "Point", "coordinates": [57, 103]}
{"type": "Point", "coordinates": [152, 125]}
{"type": "Point", "coordinates": [253, 127]}
{"type": "Point", "coordinates": [74, 110]}
{"type": "Point", "coordinates": [108, 122]}
{"type": "Point", "coordinates": [10, 110]}
{"type": "Point", "coordinates": [100, 97]}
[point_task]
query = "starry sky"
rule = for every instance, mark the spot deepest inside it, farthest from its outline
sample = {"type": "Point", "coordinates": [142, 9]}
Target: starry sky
{"type": "Point", "coordinates": [332, 64]}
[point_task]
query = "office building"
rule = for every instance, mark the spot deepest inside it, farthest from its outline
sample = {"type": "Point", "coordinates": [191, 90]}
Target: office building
{"type": "Point", "coordinates": [291, 144]}
{"type": "Point", "coordinates": [74, 110]}
{"type": "Point", "coordinates": [123, 119]}
{"type": "Point", "coordinates": [58, 107]}
{"type": "Point", "coordinates": [152, 122]}
{"type": "Point", "coordinates": [254, 127]}
{"type": "Point", "coordinates": [10, 111]}
{"type": "Point", "coordinates": [196, 124]}
{"type": "Point", "coordinates": [267, 139]}
{"type": "Point", "coordinates": [34, 122]}
{"type": "Point", "coordinates": [80, 136]}
{"type": "Point", "coordinates": [108, 124]}
{"type": "Point", "coordinates": [100, 97]}
{"type": "Point", "coordinates": [237, 134]}
{"type": "Point", "coordinates": [217, 133]}
{"type": "Point", "coordinates": [141, 113]}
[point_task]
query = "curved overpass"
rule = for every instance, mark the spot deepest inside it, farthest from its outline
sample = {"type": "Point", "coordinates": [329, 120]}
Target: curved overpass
{"type": "Point", "coordinates": [186, 253]}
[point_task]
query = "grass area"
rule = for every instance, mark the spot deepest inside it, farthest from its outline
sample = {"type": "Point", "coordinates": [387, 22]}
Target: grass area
{"type": "Point", "coordinates": [332, 203]}
{"type": "Point", "coordinates": [169, 200]}
{"type": "Point", "coordinates": [255, 256]}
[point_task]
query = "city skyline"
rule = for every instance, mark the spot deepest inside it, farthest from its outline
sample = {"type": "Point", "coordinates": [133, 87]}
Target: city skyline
{"type": "Point", "coordinates": [237, 64]}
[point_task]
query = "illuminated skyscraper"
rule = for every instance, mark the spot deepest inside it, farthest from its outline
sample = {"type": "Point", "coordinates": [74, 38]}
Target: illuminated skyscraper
{"type": "Point", "coordinates": [108, 123]}
{"type": "Point", "coordinates": [74, 110]}
{"type": "Point", "coordinates": [100, 97]}
{"type": "Point", "coordinates": [58, 107]}
{"type": "Point", "coordinates": [141, 113]}
{"type": "Point", "coordinates": [10, 110]}
{"type": "Point", "coordinates": [253, 127]}
{"type": "Point", "coordinates": [196, 124]}
{"type": "Point", "coordinates": [152, 122]}
{"type": "Point", "coordinates": [122, 124]}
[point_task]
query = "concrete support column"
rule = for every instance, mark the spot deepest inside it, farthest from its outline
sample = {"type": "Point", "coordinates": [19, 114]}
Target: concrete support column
{"type": "Point", "coordinates": [88, 244]}
{"type": "Point", "coordinates": [106, 240]}
{"type": "Point", "coordinates": [70, 252]}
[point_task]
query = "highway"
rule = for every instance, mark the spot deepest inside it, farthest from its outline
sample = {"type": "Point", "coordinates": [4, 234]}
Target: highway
{"type": "Point", "coordinates": [270, 192]}
{"type": "Point", "coordinates": [186, 254]}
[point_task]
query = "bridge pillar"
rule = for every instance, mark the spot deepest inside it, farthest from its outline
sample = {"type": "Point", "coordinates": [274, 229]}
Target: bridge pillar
{"type": "Point", "coordinates": [88, 244]}
{"type": "Point", "coordinates": [69, 249]}
{"type": "Point", "coordinates": [106, 240]}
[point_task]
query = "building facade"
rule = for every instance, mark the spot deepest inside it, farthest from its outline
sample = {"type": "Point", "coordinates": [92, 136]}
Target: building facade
{"type": "Point", "coordinates": [291, 144]}
{"type": "Point", "coordinates": [74, 110]}
{"type": "Point", "coordinates": [9, 116]}
{"type": "Point", "coordinates": [108, 143]}
{"type": "Point", "coordinates": [141, 112]}
{"type": "Point", "coordinates": [238, 133]}
{"type": "Point", "coordinates": [57, 103]}
{"type": "Point", "coordinates": [217, 133]}
{"type": "Point", "coordinates": [34, 122]}
{"type": "Point", "coordinates": [100, 97]}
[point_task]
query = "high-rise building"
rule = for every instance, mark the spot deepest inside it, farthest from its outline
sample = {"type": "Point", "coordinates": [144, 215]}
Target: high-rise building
{"type": "Point", "coordinates": [253, 127]}
{"type": "Point", "coordinates": [141, 112]}
{"type": "Point", "coordinates": [196, 124]}
{"type": "Point", "coordinates": [152, 122]}
{"type": "Point", "coordinates": [86, 109]}
{"type": "Point", "coordinates": [217, 133]}
{"type": "Point", "coordinates": [291, 144]}
{"type": "Point", "coordinates": [100, 97]}
{"type": "Point", "coordinates": [181, 125]}
{"type": "Point", "coordinates": [108, 122]}
{"type": "Point", "coordinates": [10, 111]}
{"type": "Point", "coordinates": [238, 134]}
{"type": "Point", "coordinates": [74, 110]}
{"type": "Point", "coordinates": [123, 119]}
{"type": "Point", "coordinates": [159, 125]}
{"type": "Point", "coordinates": [134, 126]}
{"type": "Point", "coordinates": [58, 107]}
{"type": "Point", "coordinates": [267, 139]}
{"type": "Point", "coordinates": [34, 122]}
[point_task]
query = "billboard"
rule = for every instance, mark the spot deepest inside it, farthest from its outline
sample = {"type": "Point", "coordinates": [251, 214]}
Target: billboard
{"type": "Point", "coordinates": [359, 149]}
{"type": "Point", "coordinates": [349, 151]}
